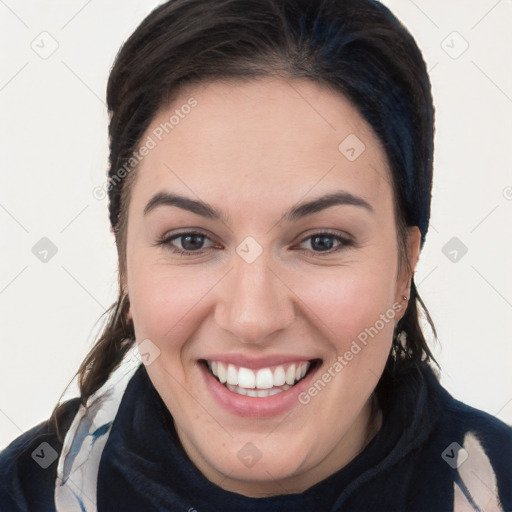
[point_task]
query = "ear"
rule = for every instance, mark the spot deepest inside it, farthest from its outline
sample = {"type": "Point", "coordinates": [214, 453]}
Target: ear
{"type": "Point", "coordinates": [124, 291]}
{"type": "Point", "coordinates": [413, 246]}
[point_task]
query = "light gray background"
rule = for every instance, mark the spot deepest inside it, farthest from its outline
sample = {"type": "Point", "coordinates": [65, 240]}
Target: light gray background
{"type": "Point", "coordinates": [53, 152]}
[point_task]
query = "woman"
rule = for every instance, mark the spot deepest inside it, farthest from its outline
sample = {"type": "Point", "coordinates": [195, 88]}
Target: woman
{"type": "Point", "coordinates": [270, 181]}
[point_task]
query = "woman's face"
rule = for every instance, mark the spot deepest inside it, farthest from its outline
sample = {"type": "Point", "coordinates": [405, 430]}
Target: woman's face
{"type": "Point", "coordinates": [261, 244]}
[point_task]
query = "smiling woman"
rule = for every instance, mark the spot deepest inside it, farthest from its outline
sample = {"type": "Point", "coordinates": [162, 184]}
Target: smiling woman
{"type": "Point", "coordinates": [268, 230]}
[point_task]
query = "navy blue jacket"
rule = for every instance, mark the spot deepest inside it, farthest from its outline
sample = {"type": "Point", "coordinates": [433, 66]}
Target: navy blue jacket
{"type": "Point", "coordinates": [410, 465]}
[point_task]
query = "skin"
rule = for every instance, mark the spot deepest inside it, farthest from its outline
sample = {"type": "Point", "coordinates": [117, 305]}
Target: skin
{"type": "Point", "coordinates": [253, 150]}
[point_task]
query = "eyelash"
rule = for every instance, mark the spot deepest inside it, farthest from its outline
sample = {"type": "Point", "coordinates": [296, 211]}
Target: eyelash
{"type": "Point", "coordinates": [344, 242]}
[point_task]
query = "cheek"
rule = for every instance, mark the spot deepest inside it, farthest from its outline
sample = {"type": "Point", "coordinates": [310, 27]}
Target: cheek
{"type": "Point", "coordinates": [350, 304]}
{"type": "Point", "coordinates": [167, 302]}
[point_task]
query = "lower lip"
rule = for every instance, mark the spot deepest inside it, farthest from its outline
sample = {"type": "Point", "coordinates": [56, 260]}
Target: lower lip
{"type": "Point", "coordinates": [248, 406]}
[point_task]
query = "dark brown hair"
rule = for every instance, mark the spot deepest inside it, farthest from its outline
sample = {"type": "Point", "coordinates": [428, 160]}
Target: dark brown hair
{"type": "Point", "coordinates": [355, 47]}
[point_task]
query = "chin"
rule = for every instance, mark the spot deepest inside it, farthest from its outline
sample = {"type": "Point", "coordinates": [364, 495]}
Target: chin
{"type": "Point", "coordinates": [260, 460]}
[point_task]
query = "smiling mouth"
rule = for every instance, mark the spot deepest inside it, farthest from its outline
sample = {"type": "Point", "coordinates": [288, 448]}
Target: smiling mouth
{"type": "Point", "coordinates": [263, 382]}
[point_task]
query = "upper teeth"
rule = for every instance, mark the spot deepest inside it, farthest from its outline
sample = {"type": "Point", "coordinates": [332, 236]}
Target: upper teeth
{"type": "Point", "coordinates": [264, 378]}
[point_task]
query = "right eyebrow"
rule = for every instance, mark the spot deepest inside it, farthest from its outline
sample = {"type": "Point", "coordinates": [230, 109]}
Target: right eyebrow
{"type": "Point", "coordinates": [192, 205]}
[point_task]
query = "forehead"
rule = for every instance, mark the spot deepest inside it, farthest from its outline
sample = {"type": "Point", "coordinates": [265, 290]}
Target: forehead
{"type": "Point", "coordinates": [267, 139]}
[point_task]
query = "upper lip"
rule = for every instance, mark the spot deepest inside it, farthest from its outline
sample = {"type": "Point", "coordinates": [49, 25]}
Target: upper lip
{"type": "Point", "coordinates": [257, 362]}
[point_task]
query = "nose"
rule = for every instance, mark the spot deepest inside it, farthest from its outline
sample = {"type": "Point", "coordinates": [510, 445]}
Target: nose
{"type": "Point", "coordinates": [255, 304]}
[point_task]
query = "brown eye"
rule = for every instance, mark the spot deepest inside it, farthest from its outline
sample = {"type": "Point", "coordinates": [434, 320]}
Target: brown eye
{"type": "Point", "coordinates": [325, 242]}
{"type": "Point", "coordinates": [187, 243]}
{"type": "Point", "coordinates": [192, 242]}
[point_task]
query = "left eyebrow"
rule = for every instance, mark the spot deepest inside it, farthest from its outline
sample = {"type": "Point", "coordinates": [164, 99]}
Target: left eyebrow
{"type": "Point", "coordinates": [327, 201]}
{"type": "Point", "coordinates": [297, 212]}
